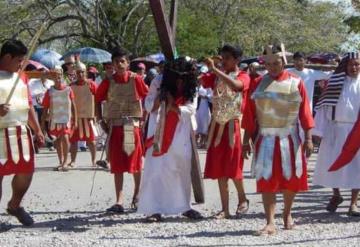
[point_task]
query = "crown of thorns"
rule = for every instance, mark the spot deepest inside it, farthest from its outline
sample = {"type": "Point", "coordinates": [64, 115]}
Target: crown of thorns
{"type": "Point", "coordinates": [180, 68]}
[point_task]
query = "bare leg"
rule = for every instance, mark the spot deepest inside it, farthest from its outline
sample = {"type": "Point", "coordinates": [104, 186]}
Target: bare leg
{"type": "Point", "coordinates": [65, 148]}
{"type": "Point", "coordinates": [354, 197]}
{"type": "Point", "coordinates": [137, 179]}
{"type": "Point", "coordinates": [73, 153]}
{"type": "Point", "coordinates": [92, 148]}
{"type": "Point", "coordinates": [334, 201]}
{"type": "Point", "coordinates": [58, 147]}
{"type": "Point", "coordinates": [20, 184]}
{"type": "Point", "coordinates": [269, 201]}
{"type": "Point", "coordinates": [240, 190]}
{"type": "Point", "coordinates": [288, 201]}
{"type": "Point", "coordinates": [336, 192]}
{"type": "Point", "coordinates": [224, 194]}
{"type": "Point", "coordinates": [243, 204]}
{"type": "Point", "coordinates": [119, 179]}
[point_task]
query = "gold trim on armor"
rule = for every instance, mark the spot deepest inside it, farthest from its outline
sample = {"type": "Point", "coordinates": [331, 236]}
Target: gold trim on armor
{"type": "Point", "coordinates": [3, 147]}
{"type": "Point", "coordinates": [25, 143]}
{"type": "Point", "coordinates": [129, 139]}
{"type": "Point", "coordinates": [87, 128]}
{"type": "Point", "coordinates": [14, 147]}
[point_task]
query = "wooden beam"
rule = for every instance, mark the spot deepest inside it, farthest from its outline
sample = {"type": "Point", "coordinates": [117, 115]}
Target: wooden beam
{"type": "Point", "coordinates": [323, 67]}
{"type": "Point", "coordinates": [173, 18]}
{"type": "Point", "coordinates": [163, 28]}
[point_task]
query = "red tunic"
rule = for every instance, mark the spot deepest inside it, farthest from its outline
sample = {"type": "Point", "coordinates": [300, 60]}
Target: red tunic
{"type": "Point", "coordinates": [22, 166]}
{"type": "Point", "coordinates": [224, 161]}
{"type": "Point", "coordinates": [75, 137]}
{"type": "Point", "coordinates": [120, 162]}
{"type": "Point", "coordinates": [277, 182]}
{"type": "Point", "coordinates": [46, 104]}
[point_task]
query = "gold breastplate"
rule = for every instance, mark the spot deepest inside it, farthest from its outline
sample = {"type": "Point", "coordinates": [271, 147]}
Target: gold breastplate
{"type": "Point", "coordinates": [84, 101]}
{"type": "Point", "coordinates": [226, 102]}
{"type": "Point", "coordinates": [121, 100]}
{"type": "Point", "coordinates": [277, 102]}
{"type": "Point", "coordinates": [19, 103]}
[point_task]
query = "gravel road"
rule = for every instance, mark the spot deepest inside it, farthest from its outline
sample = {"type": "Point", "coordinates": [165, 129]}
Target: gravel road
{"type": "Point", "coordinates": [66, 215]}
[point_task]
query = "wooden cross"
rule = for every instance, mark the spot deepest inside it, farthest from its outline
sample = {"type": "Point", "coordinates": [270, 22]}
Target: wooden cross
{"type": "Point", "coordinates": [166, 29]}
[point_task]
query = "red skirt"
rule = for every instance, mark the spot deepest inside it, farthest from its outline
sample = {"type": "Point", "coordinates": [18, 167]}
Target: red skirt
{"type": "Point", "coordinates": [277, 182]}
{"type": "Point", "coordinates": [84, 131]}
{"type": "Point", "coordinates": [120, 162]}
{"type": "Point", "coordinates": [60, 130]}
{"type": "Point", "coordinates": [22, 166]}
{"type": "Point", "coordinates": [223, 161]}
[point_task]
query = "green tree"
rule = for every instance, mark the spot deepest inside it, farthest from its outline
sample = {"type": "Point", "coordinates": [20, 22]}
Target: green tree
{"type": "Point", "coordinates": [203, 25]}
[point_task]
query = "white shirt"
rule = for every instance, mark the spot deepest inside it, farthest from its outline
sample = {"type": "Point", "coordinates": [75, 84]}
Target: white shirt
{"type": "Point", "coordinates": [309, 76]}
{"type": "Point", "coordinates": [38, 90]}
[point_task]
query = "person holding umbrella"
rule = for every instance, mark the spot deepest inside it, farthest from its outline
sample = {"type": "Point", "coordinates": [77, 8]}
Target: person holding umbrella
{"type": "Point", "coordinates": [123, 93]}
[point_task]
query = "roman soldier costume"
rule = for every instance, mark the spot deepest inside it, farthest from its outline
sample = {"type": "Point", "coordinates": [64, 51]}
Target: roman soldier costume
{"type": "Point", "coordinates": [122, 112]}
{"type": "Point", "coordinates": [16, 145]}
{"type": "Point", "coordinates": [224, 156]}
{"type": "Point", "coordinates": [84, 92]}
{"type": "Point", "coordinates": [273, 112]}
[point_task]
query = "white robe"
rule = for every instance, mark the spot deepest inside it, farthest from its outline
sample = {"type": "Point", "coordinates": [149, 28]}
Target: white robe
{"type": "Point", "coordinates": [166, 182]}
{"type": "Point", "coordinates": [310, 76]}
{"type": "Point", "coordinates": [334, 134]}
{"type": "Point", "coordinates": [38, 90]}
{"type": "Point", "coordinates": [203, 114]}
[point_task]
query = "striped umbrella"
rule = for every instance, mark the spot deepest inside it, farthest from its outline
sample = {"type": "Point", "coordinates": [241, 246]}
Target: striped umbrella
{"type": "Point", "coordinates": [90, 55]}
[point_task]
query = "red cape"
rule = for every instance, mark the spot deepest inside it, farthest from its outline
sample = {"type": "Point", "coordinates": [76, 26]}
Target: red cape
{"type": "Point", "coordinates": [350, 148]}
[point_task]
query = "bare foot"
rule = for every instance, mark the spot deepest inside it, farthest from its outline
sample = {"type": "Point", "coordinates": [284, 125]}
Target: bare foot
{"type": "Point", "coordinates": [288, 222]}
{"type": "Point", "coordinates": [222, 215]}
{"type": "Point", "coordinates": [71, 164]}
{"type": "Point", "coordinates": [65, 168]}
{"type": "Point", "coordinates": [267, 230]}
{"type": "Point", "coordinates": [242, 208]}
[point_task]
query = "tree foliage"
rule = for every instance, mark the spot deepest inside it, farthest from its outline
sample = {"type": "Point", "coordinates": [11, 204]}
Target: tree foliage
{"type": "Point", "coordinates": [203, 25]}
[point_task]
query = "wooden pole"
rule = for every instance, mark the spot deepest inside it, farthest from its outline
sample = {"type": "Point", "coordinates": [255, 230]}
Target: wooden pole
{"type": "Point", "coordinates": [163, 28]}
{"type": "Point", "coordinates": [32, 46]}
{"type": "Point", "coordinates": [173, 18]}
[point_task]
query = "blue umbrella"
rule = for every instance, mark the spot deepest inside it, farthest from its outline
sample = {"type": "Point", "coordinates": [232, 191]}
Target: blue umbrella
{"type": "Point", "coordinates": [90, 55]}
{"type": "Point", "coordinates": [47, 57]}
{"type": "Point", "coordinates": [158, 57]}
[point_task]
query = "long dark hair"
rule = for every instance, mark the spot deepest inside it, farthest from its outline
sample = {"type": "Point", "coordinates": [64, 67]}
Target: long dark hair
{"type": "Point", "coordinates": [183, 68]}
